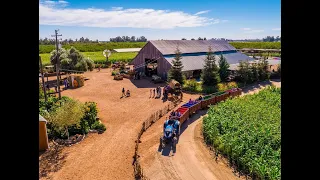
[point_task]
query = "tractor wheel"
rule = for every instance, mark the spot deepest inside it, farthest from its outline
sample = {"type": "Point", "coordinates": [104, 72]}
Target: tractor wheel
{"type": "Point", "coordinates": [174, 142]}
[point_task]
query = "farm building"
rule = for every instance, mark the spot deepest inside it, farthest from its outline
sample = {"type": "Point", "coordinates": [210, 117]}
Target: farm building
{"type": "Point", "coordinates": [127, 50]}
{"type": "Point", "coordinates": [160, 54]}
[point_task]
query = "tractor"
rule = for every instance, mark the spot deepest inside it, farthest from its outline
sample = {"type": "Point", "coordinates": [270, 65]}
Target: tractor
{"type": "Point", "coordinates": [171, 132]}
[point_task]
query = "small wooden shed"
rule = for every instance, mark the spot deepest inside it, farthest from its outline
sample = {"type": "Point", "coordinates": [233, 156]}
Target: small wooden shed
{"type": "Point", "coordinates": [43, 136]}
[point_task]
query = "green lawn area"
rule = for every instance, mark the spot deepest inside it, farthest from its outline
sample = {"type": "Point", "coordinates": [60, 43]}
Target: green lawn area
{"type": "Point", "coordinates": [97, 57]}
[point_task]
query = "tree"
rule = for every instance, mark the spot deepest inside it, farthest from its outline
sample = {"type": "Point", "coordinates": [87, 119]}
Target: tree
{"type": "Point", "coordinates": [223, 68]}
{"type": "Point", "coordinates": [183, 39]}
{"type": "Point", "coordinates": [254, 72]}
{"type": "Point", "coordinates": [210, 75]}
{"type": "Point", "coordinates": [69, 114]}
{"type": "Point", "coordinates": [204, 38]}
{"type": "Point", "coordinates": [62, 54]}
{"type": "Point", "coordinates": [133, 38]}
{"type": "Point", "coordinates": [192, 39]}
{"type": "Point", "coordinates": [263, 69]}
{"type": "Point", "coordinates": [72, 59]}
{"type": "Point", "coordinates": [175, 71]}
{"type": "Point", "coordinates": [199, 38]}
{"type": "Point", "coordinates": [244, 71]}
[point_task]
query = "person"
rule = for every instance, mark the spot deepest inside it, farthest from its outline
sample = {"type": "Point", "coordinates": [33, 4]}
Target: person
{"type": "Point", "coordinates": [48, 87]}
{"type": "Point", "coordinates": [200, 97]}
{"type": "Point", "coordinates": [123, 94]}
{"type": "Point", "coordinates": [128, 93]}
{"type": "Point", "coordinates": [65, 84]}
{"type": "Point", "coordinates": [190, 101]}
{"type": "Point", "coordinates": [159, 92]}
{"type": "Point", "coordinates": [99, 67]}
{"type": "Point", "coordinates": [172, 113]}
{"type": "Point", "coordinates": [150, 93]}
{"type": "Point", "coordinates": [178, 113]}
{"type": "Point", "coordinates": [154, 92]}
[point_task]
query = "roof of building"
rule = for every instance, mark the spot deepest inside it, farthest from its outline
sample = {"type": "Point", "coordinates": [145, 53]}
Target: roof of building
{"type": "Point", "coordinates": [127, 50]}
{"type": "Point", "coordinates": [270, 62]}
{"type": "Point", "coordinates": [197, 62]}
{"type": "Point", "coordinates": [191, 46]}
{"type": "Point", "coordinates": [42, 119]}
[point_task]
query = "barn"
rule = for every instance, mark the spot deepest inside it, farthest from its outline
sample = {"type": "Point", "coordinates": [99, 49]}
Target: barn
{"type": "Point", "coordinates": [157, 55]}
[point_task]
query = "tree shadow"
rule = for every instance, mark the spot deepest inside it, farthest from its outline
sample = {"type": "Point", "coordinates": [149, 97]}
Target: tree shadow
{"type": "Point", "coordinates": [51, 160]}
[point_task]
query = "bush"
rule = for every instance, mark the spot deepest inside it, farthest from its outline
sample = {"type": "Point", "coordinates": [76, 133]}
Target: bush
{"type": "Point", "coordinates": [90, 64]}
{"type": "Point", "coordinates": [192, 85]}
{"type": "Point", "coordinates": [209, 89]}
{"type": "Point", "coordinates": [114, 73]}
{"type": "Point", "coordinates": [98, 126]}
{"type": "Point", "coordinates": [226, 86]}
{"type": "Point", "coordinates": [91, 113]}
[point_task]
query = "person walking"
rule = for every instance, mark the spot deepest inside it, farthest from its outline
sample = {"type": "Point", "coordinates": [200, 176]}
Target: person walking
{"type": "Point", "coordinates": [150, 93]}
{"type": "Point", "coordinates": [65, 84]}
{"type": "Point", "coordinates": [159, 92]}
{"type": "Point", "coordinates": [123, 92]}
{"type": "Point", "coordinates": [154, 92]}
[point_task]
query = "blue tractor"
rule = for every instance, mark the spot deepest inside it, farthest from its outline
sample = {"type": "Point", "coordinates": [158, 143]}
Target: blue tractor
{"type": "Point", "coordinates": [171, 132]}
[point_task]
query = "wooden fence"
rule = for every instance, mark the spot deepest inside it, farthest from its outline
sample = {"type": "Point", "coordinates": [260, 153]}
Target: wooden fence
{"type": "Point", "coordinates": [138, 172]}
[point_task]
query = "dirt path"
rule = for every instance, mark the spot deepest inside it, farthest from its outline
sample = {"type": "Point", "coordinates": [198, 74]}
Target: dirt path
{"type": "Point", "coordinates": [193, 159]}
{"type": "Point", "coordinates": [109, 155]}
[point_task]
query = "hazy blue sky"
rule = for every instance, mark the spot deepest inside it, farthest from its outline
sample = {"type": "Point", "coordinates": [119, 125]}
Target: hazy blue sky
{"type": "Point", "coordinates": [163, 19]}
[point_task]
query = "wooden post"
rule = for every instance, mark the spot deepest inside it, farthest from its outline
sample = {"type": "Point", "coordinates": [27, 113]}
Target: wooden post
{"type": "Point", "coordinates": [43, 84]}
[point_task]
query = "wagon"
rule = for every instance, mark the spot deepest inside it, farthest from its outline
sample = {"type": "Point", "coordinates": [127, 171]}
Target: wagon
{"type": "Point", "coordinates": [184, 114]}
{"type": "Point", "coordinates": [193, 107]}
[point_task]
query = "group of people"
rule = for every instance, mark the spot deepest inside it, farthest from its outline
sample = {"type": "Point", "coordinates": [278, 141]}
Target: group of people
{"type": "Point", "coordinates": [175, 114]}
{"type": "Point", "coordinates": [156, 92]}
{"type": "Point", "coordinates": [125, 93]}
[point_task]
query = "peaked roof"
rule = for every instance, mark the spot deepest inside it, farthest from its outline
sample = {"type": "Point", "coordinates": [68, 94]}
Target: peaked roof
{"type": "Point", "coordinates": [191, 46]}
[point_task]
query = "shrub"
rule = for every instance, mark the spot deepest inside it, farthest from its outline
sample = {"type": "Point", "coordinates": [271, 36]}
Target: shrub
{"type": "Point", "coordinates": [114, 73]}
{"type": "Point", "coordinates": [192, 85]}
{"type": "Point", "coordinates": [81, 65]}
{"type": "Point", "coordinates": [69, 114]}
{"type": "Point", "coordinates": [98, 126]}
{"type": "Point", "coordinates": [226, 86]}
{"type": "Point", "coordinates": [91, 112]}
{"type": "Point", "coordinates": [209, 89]}
{"type": "Point", "coordinates": [90, 64]}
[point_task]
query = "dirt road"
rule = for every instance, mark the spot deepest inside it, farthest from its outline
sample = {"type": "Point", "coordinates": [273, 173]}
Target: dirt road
{"type": "Point", "coordinates": [109, 155]}
{"type": "Point", "coordinates": [192, 160]}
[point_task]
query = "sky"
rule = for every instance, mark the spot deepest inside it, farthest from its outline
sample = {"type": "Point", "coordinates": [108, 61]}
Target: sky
{"type": "Point", "coordinates": [162, 19]}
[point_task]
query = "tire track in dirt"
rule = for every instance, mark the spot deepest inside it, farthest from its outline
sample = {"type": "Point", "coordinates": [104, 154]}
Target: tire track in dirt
{"type": "Point", "coordinates": [193, 160]}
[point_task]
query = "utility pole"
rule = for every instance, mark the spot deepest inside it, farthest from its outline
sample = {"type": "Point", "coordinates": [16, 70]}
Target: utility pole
{"type": "Point", "coordinates": [57, 60]}
{"type": "Point", "coordinates": [43, 84]}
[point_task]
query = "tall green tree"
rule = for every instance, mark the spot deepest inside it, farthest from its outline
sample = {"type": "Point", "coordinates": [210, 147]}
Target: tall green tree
{"type": "Point", "coordinates": [71, 59]}
{"type": "Point", "coordinates": [210, 72]}
{"type": "Point", "coordinates": [244, 71]}
{"type": "Point", "coordinates": [223, 68]}
{"type": "Point", "coordinates": [175, 71]}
